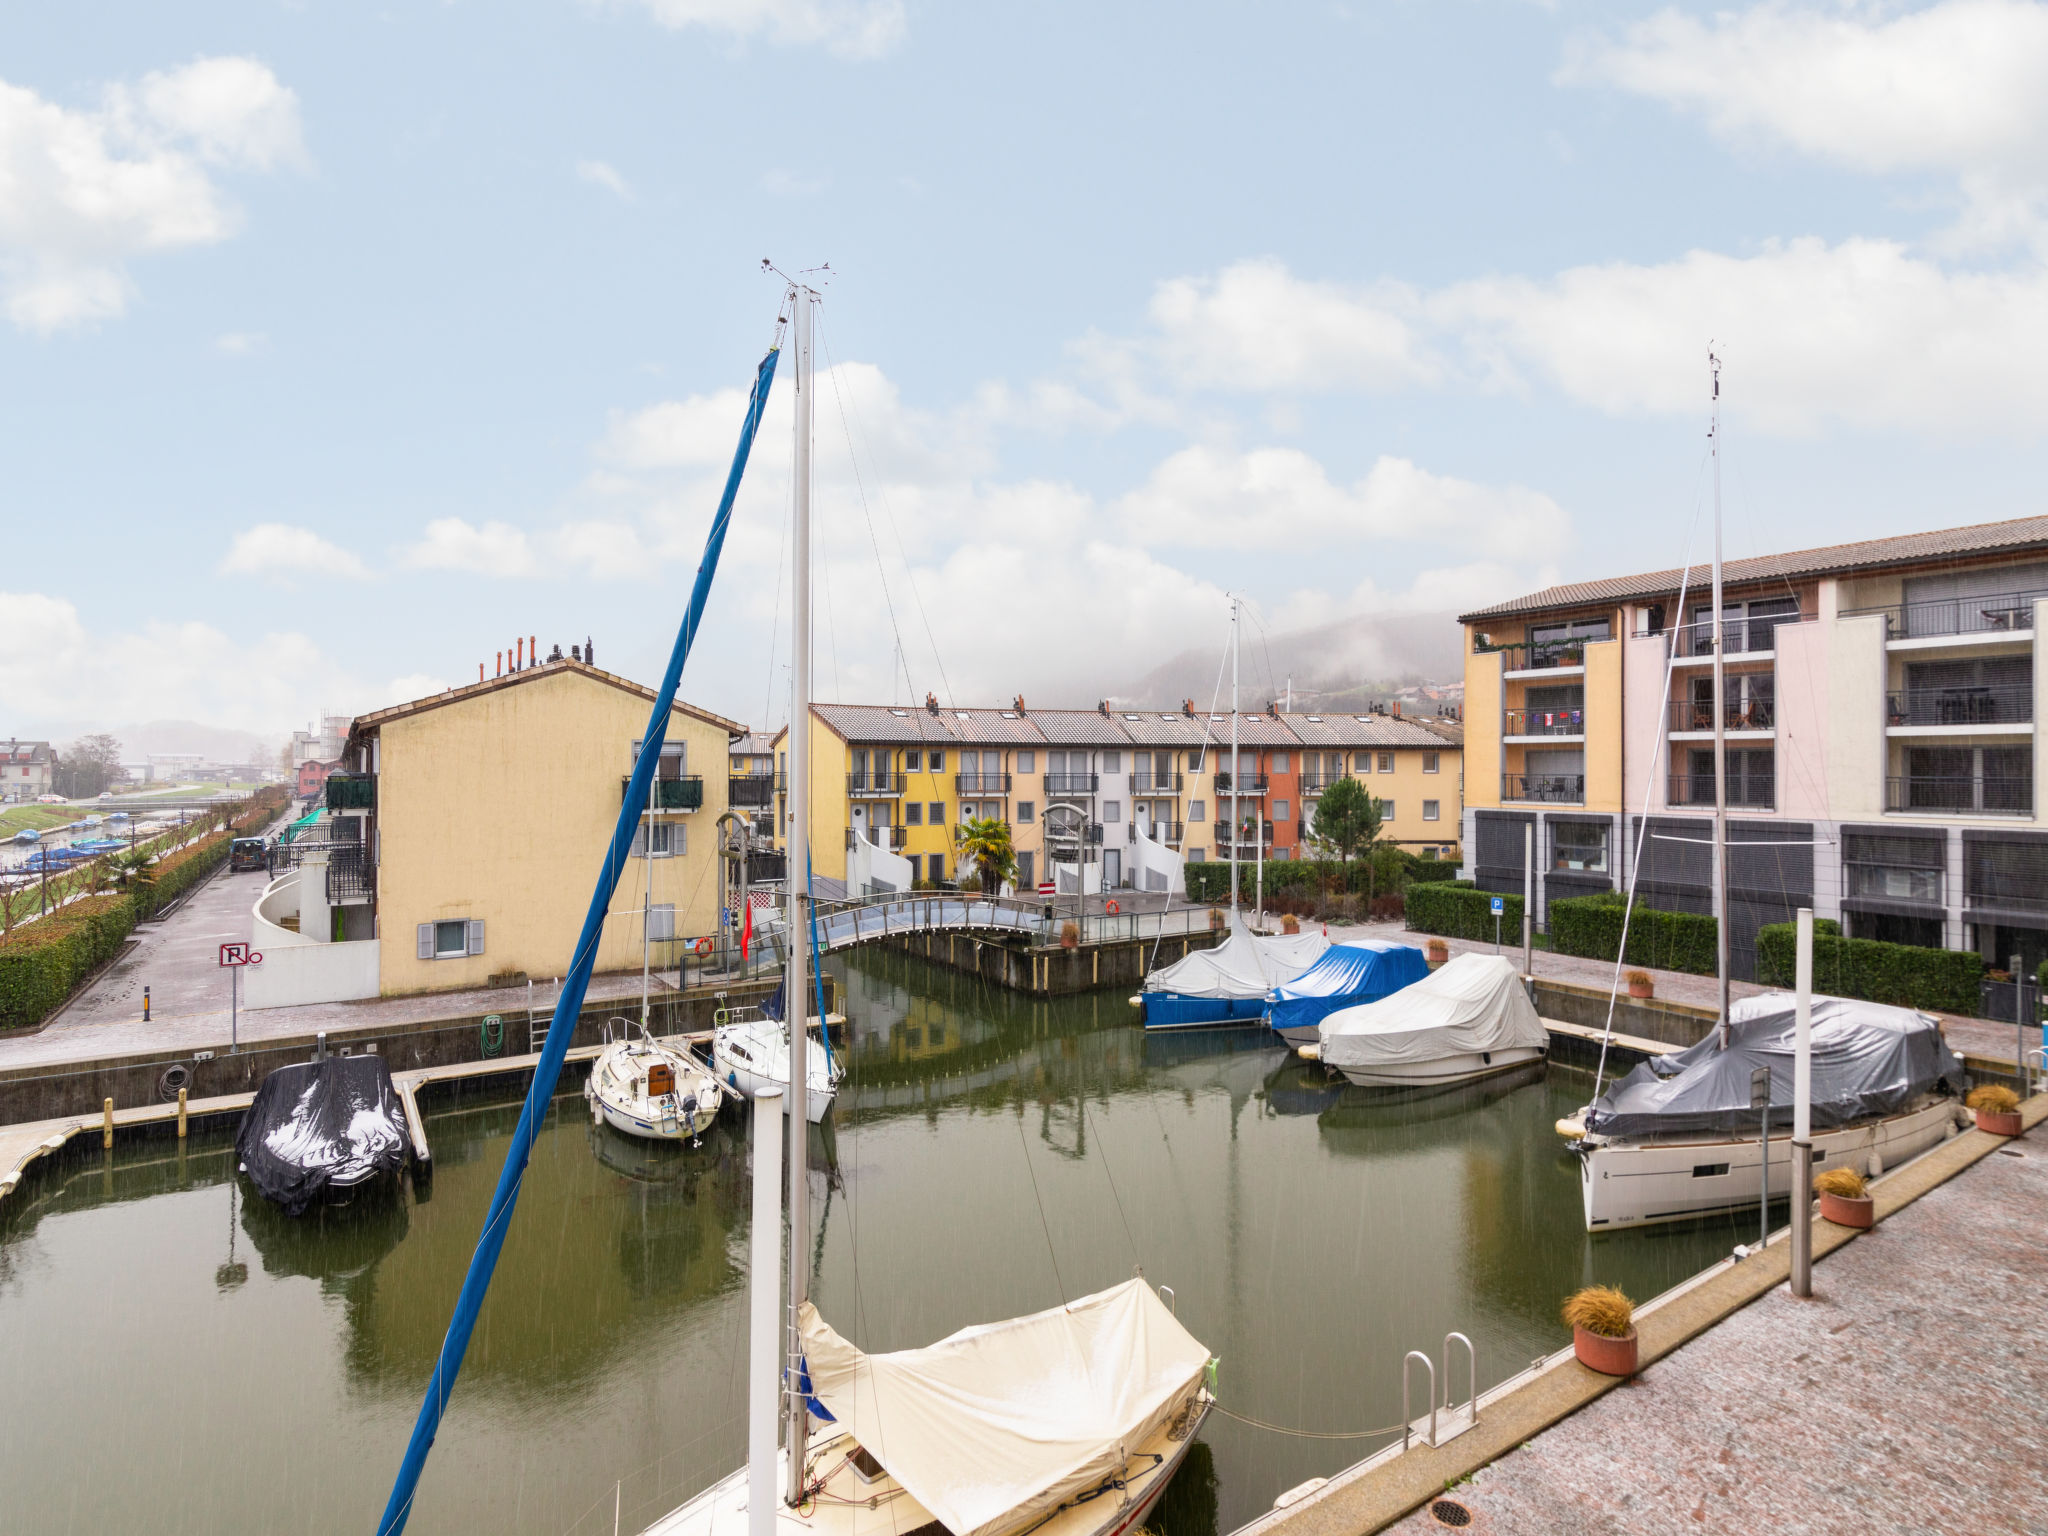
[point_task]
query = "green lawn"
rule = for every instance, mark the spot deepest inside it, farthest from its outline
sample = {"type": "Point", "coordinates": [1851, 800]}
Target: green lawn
{"type": "Point", "coordinates": [41, 817]}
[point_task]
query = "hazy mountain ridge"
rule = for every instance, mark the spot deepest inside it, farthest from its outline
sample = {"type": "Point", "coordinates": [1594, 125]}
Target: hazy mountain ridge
{"type": "Point", "coordinates": [1343, 665]}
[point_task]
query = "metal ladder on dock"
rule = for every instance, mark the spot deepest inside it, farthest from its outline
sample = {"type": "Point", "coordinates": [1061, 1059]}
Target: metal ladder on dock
{"type": "Point", "coordinates": [1448, 1430]}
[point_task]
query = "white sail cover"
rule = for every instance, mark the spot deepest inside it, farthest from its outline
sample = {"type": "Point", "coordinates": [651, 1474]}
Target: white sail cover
{"type": "Point", "coordinates": [1473, 1003]}
{"type": "Point", "coordinates": [994, 1427]}
{"type": "Point", "coordinates": [1241, 966]}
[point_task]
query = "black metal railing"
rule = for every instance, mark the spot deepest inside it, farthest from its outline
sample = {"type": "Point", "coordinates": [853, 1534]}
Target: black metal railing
{"type": "Point", "coordinates": [1071, 783]}
{"type": "Point", "coordinates": [981, 783]}
{"type": "Point", "coordinates": [1149, 781]}
{"type": "Point", "coordinates": [351, 792]}
{"type": "Point", "coordinates": [894, 838]}
{"type": "Point", "coordinates": [350, 873]}
{"type": "Point", "coordinates": [684, 794]}
{"type": "Point", "coordinates": [1756, 791]}
{"type": "Point", "coordinates": [1249, 784]}
{"type": "Point", "coordinates": [1537, 656]}
{"type": "Point", "coordinates": [1756, 714]}
{"type": "Point", "coordinates": [1544, 722]}
{"type": "Point", "coordinates": [1740, 637]}
{"type": "Point", "coordinates": [765, 864]}
{"type": "Point", "coordinates": [1165, 831]}
{"type": "Point", "coordinates": [1547, 788]}
{"type": "Point", "coordinates": [1995, 614]}
{"type": "Point", "coordinates": [1244, 839]}
{"type": "Point", "coordinates": [1991, 795]}
{"type": "Point", "coordinates": [2005, 704]}
{"type": "Point", "coordinates": [1894, 882]}
{"type": "Point", "coordinates": [874, 784]}
{"type": "Point", "coordinates": [750, 789]}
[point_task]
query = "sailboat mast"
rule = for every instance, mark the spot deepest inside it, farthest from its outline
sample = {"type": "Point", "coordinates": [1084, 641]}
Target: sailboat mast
{"type": "Point", "coordinates": [1233, 762]}
{"type": "Point", "coordinates": [796, 992]}
{"type": "Point", "coordinates": [1721, 913]}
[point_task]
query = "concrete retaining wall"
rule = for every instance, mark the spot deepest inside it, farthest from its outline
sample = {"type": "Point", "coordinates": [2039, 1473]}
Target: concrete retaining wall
{"type": "Point", "coordinates": [1051, 971]}
{"type": "Point", "coordinates": [312, 973]}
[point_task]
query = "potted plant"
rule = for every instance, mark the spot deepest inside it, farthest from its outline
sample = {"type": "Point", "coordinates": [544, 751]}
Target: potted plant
{"type": "Point", "coordinates": [1290, 923]}
{"type": "Point", "coordinates": [1845, 1198]}
{"type": "Point", "coordinates": [1998, 1109]}
{"type": "Point", "coordinates": [1603, 1330]}
{"type": "Point", "coordinates": [1439, 953]}
{"type": "Point", "coordinates": [1070, 935]}
{"type": "Point", "coordinates": [1217, 921]}
{"type": "Point", "coordinates": [1641, 984]}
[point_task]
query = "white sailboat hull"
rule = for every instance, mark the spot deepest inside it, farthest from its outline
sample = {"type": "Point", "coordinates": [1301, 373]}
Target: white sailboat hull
{"type": "Point", "coordinates": [1640, 1183]}
{"type": "Point", "coordinates": [617, 1093]}
{"type": "Point", "coordinates": [1443, 1071]}
{"type": "Point", "coordinates": [752, 1057]}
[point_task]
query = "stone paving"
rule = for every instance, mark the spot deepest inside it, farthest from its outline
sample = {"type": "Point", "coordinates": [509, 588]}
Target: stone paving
{"type": "Point", "coordinates": [1910, 1394]}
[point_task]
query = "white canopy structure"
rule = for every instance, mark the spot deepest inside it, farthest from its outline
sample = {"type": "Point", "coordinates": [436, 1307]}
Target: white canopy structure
{"type": "Point", "coordinates": [993, 1428]}
{"type": "Point", "coordinates": [1475, 1005]}
{"type": "Point", "coordinates": [1243, 965]}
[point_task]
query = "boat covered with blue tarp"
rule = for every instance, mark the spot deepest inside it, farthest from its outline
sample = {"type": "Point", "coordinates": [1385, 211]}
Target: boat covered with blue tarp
{"type": "Point", "coordinates": [1347, 975]}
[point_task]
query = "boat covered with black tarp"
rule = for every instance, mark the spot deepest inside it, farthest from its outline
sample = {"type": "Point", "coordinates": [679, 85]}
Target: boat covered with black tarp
{"type": "Point", "coordinates": [322, 1128]}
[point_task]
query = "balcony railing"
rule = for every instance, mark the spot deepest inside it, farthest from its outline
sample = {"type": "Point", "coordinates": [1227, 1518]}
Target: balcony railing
{"type": "Point", "coordinates": [2009, 704]}
{"type": "Point", "coordinates": [1736, 715]}
{"type": "Point", "coordinates": [1169, 832]}
{"type": "Point", "coordinates": [1894, 882]}
{"type": "Point", "coordinates": [1067, 834]}
{"type": "Point", "coordinates": [874, 784]}
{"type": "Point", "coordinates": [1538, 655]}
{"type": "Point", "coordinates": [764, 864]}
{"type": "Point", "coordinates": [1152, 782]}
{"type": "Point", "coordinates": [684, 794]}
{"type": "Point", "coordinates": [750, 789]}
{"type": "Point", "coordinates": [1756, 791]}
{"type": "Point", "coordinates": [1545, 788]}
{"type": "Point", "coordinates": [350, 873]}
{"type": "Point", "coordinates": [1071, 783]}
{"type": "Point", "coordinates": [2000, 613]}
{"type": "Point", "coordinates": [981, 783]}
{"type": "Point", "coordinates": [1961, 795]}
{"type": "Point", "coordinates": [1740, 637]}
{"type": "Point", "coordinates": [351, 792]}
{"type": "Point", "coordinates": [1247, 784]}
{"type": "Point", "coordinates": [892, 838]}
{"type": "Point", "coordinates": [1244, 840]}
{"type": "Point", "coordinates": [1543, 722]}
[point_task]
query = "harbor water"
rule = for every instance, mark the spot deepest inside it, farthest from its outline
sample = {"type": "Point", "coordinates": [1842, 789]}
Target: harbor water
{"type": "Point", "coordinates": [180, 1357]}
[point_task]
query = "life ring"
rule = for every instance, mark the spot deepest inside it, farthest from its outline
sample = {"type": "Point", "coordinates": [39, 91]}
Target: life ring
{"type": "Point", "coordinates": [704, 946]}
{"type": "Point", "coordinates": [1111, 906]}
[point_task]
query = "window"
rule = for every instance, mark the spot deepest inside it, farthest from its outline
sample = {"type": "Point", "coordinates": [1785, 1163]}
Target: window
{"type": "Point", "coordinates": [1429, 765]}
{"type": "Point", "coordinates": [911, 761]}
{"type": "Point", "coordinates": [1198, 855]}
{"type": "Point", "coordinates": [1027, 812]}
{"type": "Point", "coordinates": [1197, 811]}
{"type": "Point", "coordinates": [1194, 762]}
{"type": "Point", "coordinates": [938, 761]}
{"type": "Point", "coordinates": [663, 839]}
{"type": "Point", "coordinates": [913, 813]}
{"type": "Point", "coordinates": [1386, 810]}
{"type": "Point", "coordinates": [1386, 762]}
{"type": "Point", "coordinates": [1025, 870]}
{"type": "Point", "coordinates": [1281, 811]}
{"type": "Point", "coordinates": [1365, 762]}
{"type": "Point", "coordinates": [1431, 810]}
{"type": "Point", "coordinates": [935, 813]}
{"type": "Point", "coordinates": [915, 864]}
{"type": "Point", "coordinates": [1280, 762]}
{"type": "Point", "coordinates": [1027, 762]}
{"type": "Point", "coordinates": [451, 939]}
{"type": "Point", "coordinates": [1112, 762]}
{"type": "Point", "coordinates": [673, 763]}
{"type": "Point", "coordinates": [661, 921]}
{"type": "Point", "coordinates": [1112, 812]}
{"type": "Point", "coordinates": [1579, 845]}
{"type": "Point", "coordinates": [1278, 855]}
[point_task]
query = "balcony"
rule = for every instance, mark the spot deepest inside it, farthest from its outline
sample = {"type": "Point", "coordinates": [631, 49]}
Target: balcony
{"type": "Point", "coordinates": [1752, 791]}
{"type": "Point", "coordinates": [2012, 704]}
{"type": "Point", "coordinates": [1756, 636]}
{"type": "Point", "coordinates": [1168, 832]}
{"type": "Point", "coordinates": [1544, 722]}
{"type": "Point", "coordinates": [1538, 656]}
{"type": "Point", "coordinates": [1069, 784]}
{"type": "Point", "coordinates": [1961, 795]}
{"type": "Point", "coordinates": [684, 794]}
{"type": "Point", "coordinates": [1245, 843]}
{"type": "Point", "coordinates": [765, 864]}
{"type": "Point", "coordinates": [1152, 782]}
{"type": "Point", "coordinates": [1690, 716]}
{"type": "Point", "coordinates": [350, 874]}
{"type": "Point", "coordinates": [351, 792]}
{"type": "Point", "coordinates": [981, 783]}
{"type": "Point", "coordinates": [1987, 618]}
{"type": "Point", "coordinates": [1228, 783]}
{"type": "Point", "coordinates": [1544, 788]}
{"type": "Point", "coordinates": [893, 838]}
{"type": "Point", "coordinates": [874, 786]}
{"type": "Point", "coordinates": [750, 789]}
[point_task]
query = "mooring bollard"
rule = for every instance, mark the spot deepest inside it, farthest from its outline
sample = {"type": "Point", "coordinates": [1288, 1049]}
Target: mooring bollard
{"type": "Point", "coordinates": [145, 1005]}
{"type": "Point", "coordinates": [181, 1114]}
{"type": "Point", "coordinates": [107, 1124]}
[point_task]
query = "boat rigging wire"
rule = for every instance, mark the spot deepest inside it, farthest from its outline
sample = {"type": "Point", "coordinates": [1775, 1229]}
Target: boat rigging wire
{"type": "Point", "coordinates": [1309, 1434]}
{"type": "Point", "coordinates": [1045, 1226]}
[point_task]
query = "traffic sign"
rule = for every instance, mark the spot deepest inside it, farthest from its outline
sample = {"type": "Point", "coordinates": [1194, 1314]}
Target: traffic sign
{"type": "Point", "coordinates": [240, 954]}
{"type": "Point", "coordinates": [1498, 906]}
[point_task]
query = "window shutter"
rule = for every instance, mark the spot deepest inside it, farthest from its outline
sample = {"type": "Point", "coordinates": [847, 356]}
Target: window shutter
{"type": "Point", "coordinates": [681, 837]}
{"type": "Point", "coordinates": [425, 933]}
{"type": "Point", "coordinates": [476, 935]}
{"type": "Point", "coordinates": [639, 849]}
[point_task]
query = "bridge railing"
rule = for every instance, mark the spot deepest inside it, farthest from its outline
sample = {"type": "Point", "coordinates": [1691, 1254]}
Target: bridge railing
{"type": "Point", "coordinates": [857, 920]}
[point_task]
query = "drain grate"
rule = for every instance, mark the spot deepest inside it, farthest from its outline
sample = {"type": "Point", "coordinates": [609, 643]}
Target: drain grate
{"type": "Point", "coordinates": [1450, 1512]}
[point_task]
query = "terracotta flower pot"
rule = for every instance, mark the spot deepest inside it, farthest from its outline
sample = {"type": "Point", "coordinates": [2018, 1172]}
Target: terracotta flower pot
{"type": "Point", "coordinates": [1844, 1211]}
{"type": "Point", "coordinates": [1643, 987]}
{"type": "Point", "coordinates": [1610, 1357]}
{"type": "Point", "coordinates": [1998, 1122]}
{"type": "Point", "coordinates": [1439, 954]}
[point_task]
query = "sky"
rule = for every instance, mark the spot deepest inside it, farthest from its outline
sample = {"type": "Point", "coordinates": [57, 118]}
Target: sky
{"type": "Point", "coordinates": [340, 345]}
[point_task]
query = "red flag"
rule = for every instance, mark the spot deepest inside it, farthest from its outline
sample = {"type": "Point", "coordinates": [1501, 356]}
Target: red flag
{"type": "Point", "coordinates": [747, 928]}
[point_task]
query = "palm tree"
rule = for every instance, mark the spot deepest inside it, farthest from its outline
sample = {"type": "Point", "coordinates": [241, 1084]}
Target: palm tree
{"type": "Point", "coordinates": [986, 840]}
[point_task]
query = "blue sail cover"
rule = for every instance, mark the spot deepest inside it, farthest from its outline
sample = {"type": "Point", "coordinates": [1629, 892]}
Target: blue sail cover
{"type": "Point", "coordinates": [1347, 975]}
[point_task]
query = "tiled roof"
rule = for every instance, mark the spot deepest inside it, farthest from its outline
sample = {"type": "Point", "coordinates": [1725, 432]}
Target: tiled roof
{"type": "Point", "coordinates": [1253, 730]}
{"type": "Point", "coordinates": [883, 722]}
{"type": "Point", "coordinates": [1160, 729]}
{"type": "Point", "coordinates": [2018, 535]}
{"type": "Point", "coordinates": [755, 744]}
{"type": "Point", "coordinates": [992, 727]}
{"type": "Point", "coordinates": [1365, 731]}
{"type": "Point", "coordinates": [1080, 727]}
{"type": "Point", "coordinates": [531, 674]}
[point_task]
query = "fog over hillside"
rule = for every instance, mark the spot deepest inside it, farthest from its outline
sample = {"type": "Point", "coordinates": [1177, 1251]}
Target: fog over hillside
{"type": "Point", "coordinates": [1341, 665]}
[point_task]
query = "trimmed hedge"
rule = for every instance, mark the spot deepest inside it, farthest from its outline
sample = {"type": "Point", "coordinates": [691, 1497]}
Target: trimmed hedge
{"type": "Point", "coordinates": [1393, 869]}
{"type": "Point", "coordinates": [176, 873]}
{"type": "Point", "coordinates": [1457, 909]}
{"type": "Point", "coordinates": [1904, 974]}
{"type": "Point", "coordinates": [41, 962]}
{"type": "Point", "coordinates": [1590, 926]}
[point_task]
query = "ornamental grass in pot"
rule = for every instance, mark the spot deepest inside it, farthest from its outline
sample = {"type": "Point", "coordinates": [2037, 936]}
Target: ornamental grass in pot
{"type": "Point", "coordinates": [1997, 1108]}
{"type": "Point", "coordinates": [1641, 984]}
{"type": "Point", "coordinates": [1438, 951]}
{"type": "Point", "coordinates": [1844, 1198]}
{"type": "Point", "coordinates": [1603, 1323]}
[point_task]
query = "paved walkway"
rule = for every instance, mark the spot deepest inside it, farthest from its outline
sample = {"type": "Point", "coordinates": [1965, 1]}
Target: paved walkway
{"type": "Point", "coordinates": [1909, 1395]}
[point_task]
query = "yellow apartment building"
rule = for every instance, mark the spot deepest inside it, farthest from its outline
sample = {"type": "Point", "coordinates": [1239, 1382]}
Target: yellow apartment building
{"type": "Point", "coordinates": [1415, 769]}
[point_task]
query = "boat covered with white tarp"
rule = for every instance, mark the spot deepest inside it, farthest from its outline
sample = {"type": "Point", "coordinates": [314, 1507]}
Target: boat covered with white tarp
{"type": "Point", "coordinates": [1227, 984]}
{"type": "Point", "coordinates": [1469, 1019]}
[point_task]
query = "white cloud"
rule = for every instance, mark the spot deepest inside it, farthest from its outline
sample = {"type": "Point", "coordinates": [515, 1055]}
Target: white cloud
{"type": "Point", "coordinates": [281, 549]}
{"type": "Point", "coordinates": [83, 191]}
{"type": "Point", "coordinates": [855, 29]}
{"type": "Point", "coordinates": [240, 343]}
{"type": "Point", "coordinates": [599, 174]}
{"type": "Point", "coordinates": [696, 433]}
{"type": "Point", "coordinates": [454, 544]}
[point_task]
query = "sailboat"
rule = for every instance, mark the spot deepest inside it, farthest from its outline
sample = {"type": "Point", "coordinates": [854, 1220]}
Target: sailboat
{"type": "Point", "coordinates": [1068, 1422]}
{"type": "Point", "coordinates": [1683, 1135]}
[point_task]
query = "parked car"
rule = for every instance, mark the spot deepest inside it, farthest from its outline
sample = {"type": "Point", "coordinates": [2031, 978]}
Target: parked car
{"type": "Point", "coordinates": [246, 853]}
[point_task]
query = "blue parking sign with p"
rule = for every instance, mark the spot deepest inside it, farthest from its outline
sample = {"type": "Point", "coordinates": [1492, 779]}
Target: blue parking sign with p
{"type": "Point", "coordinates": [1499, 906]}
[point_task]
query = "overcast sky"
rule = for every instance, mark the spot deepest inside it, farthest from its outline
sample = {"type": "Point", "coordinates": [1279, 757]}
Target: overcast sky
{"type": "Point", "coordinates": [339, 348]}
